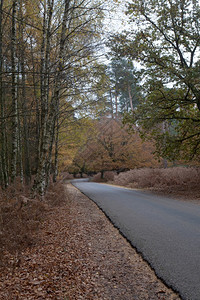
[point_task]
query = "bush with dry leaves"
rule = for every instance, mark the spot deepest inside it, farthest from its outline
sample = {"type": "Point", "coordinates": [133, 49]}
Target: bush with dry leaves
{"type": "Point", "coordinates": [21, 215]}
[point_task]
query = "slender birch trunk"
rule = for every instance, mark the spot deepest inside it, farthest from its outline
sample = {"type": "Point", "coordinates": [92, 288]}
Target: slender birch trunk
{"type": "Point", "coordinates": [50, 126]}
{"type": "Point", "coordinates": [14, 95]}
{"type": "Point", "coordinates": [19, 150]}
{"type": "Point", "coordinates": [48, 139]}
{"type": "Point", "coordinates": [19, 136]}
{"type": "Point", "coordinates": [43, 103]}
{"type": "Point", "coordinates": [116, 105]}
{"type": "Point", "coordinates": [4, 165]}
{"type": "Point", "coordinates": [38, 114]}
{"type": "Point", "coordinates": [55, 174]}
{"type": "Point", "coordinates": [56, 99]}
{"type": "Point", "coordinates": [49, 158]}
{"type": "Point", "coordinates": [25, 130]}
{"type": "Point", "coordinates": [40, 181]}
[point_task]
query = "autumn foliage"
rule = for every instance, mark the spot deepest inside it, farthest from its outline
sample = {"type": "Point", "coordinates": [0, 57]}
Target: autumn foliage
{"type": "Point", "coordinates": [108, 146]}
{"type": "Point", "coordinates": [21, 216]}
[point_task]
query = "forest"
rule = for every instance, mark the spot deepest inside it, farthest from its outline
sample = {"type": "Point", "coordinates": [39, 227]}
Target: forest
{"type": "Point", "coordinates": [57, 93]}
{"type": "Point", "coordinates": [47, 48]}
{"type": "Point", "coordinates": [67, 88]}
{"type": "Point", "coordinates": [108, 90]}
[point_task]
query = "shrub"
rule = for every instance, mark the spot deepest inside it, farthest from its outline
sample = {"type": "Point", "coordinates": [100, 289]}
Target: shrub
{"type": "Point", "coordinates": [97, 177]}
{"type": "Point", "coordinates": [109, 175]}
{"type": "Point", "coordinates": [20, 216]}
{"type": "Point", "coordinates": [158, 178]}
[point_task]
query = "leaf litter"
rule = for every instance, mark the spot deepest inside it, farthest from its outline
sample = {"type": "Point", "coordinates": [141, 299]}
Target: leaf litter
{"type": "Point", "coordinates": [79, 255]}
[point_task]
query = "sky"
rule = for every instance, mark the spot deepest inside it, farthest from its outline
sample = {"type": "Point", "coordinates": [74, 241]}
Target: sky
{"type": "Point", "coordinates": [115, 22]}
{"type": "Point", "coordinates": [115, 19]}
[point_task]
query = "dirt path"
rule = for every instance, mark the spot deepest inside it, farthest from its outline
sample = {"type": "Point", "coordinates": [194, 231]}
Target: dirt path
{"type": "Point", "coordinates": [80, 255]}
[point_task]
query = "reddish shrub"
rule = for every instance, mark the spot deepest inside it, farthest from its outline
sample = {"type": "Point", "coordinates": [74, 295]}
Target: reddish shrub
{"type": "Point", "coordinates": [20, 216]}
{"type": "Point", "coordinates": [109, 175]}
{"type": "Point", "coordinates": [97, 177]}
{"type": "Point", "coordinates": [157, 178]}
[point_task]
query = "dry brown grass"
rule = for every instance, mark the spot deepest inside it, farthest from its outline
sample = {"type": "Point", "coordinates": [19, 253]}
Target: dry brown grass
{"type": "Point", "coordinates": [21, 216]}
{"type": "Point", "coordinates": [174, 179]}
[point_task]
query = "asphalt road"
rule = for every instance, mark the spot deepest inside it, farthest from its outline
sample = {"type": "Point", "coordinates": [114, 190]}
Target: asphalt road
{"type": "Point", "coordinates": [165, 231]}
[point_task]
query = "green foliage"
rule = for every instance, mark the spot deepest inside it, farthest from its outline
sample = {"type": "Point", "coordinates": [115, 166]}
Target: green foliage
{"type": "Point", "coordinates": [123, 77]}
{"type": "Point", "coordinates": [165, 41]}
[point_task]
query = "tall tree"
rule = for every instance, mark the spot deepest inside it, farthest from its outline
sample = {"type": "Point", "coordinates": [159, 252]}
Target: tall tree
{"type": "Point", "coordinates": [110, 147]}
{"type": "Point", "coordinates": [73, 53]}
{"type": "Point", "coordinates": [14, 94]}
{"type": "Point", "coordinates": [4, 169]}
{"type": "Point", "coordinates": [165, 40]}
{"type": "Point", "coordinates": [47, 50]}
{"type": "Point", "coordinates": [124, 81]}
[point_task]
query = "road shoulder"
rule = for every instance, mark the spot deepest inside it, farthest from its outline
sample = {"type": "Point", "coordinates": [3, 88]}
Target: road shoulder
{"type": "Point", "coordinates": [192, 196]}
{"type": "Point", "coordinates": [118, 271]}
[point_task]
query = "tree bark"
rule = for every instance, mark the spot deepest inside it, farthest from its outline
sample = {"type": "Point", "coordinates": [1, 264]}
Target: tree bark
{"type": "Point", "coordinates": [4, 171]}
{"type": "Point", "coordinates": [164, 129]}
{"type": "Point", "coordinates": [116, 105]}
{"type": "Point", "coordinates": [55, 174]}
{"type": "Point", "coordinates": [38, 114]}
{"type": "Point", "coordinates": [26, 147]}
{"type": "Point", "coordinates": [111, 105]}
{"type": "Point", "coordinates": [130, 97]}
{"type": "Point", "coordinates": [14, 95]}
{"type": "Point", "coordinates": [41, 176]}
{"type": "Point", "coordinates": [49, 125]}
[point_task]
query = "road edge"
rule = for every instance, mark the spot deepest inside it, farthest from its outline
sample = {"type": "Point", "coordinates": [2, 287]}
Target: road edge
{"type": "Point", "coordinates": [130, 243]}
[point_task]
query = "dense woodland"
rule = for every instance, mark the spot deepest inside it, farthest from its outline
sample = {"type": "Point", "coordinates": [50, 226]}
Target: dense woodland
{"type": "Point", "coordinates": [47, 50]}
{"type": "Point", "coordinates": [63, 107]}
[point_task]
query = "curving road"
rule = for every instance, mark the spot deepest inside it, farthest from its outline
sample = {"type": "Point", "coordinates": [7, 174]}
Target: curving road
{"type": "Point", "coordinates": [165, 231]}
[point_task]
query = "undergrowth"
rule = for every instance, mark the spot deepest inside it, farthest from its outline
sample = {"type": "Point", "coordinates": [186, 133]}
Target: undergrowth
{"type": "Point", "coordinates": [178, 178]}
{"type": "Point", "coordinates": [21, 216]}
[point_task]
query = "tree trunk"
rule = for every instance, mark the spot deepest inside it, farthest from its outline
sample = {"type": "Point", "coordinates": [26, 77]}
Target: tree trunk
{"type": "Point", "coordinates": [27, 167]}
{"type": "Point", "coordinates": [14, 95]}
{"type": "Point", "coordinates": [38, 114]}
{"type": "Point", "coordinates": [4, 170]}
{"type": "Point", "coordinates": [44, 141]}
{"type": "Point", "coordinates": [49, 158]}
{"type": "Point", "coordinates": [49, 125]}
{"type": "Point", "coordinates": [19, 137]}
{"type": "Point", "coordinates": [20, 155]}
{"type": "Point", "coordinates": [116, 105]}
{"type": "Point", "coordinates": [130, 97]}
{"type": "Point", "coordinates": [111, 105]}
{"type": "Point", "coordinates": [55, 174]}
{"type": "Point", "coordinates": [164, 129]}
